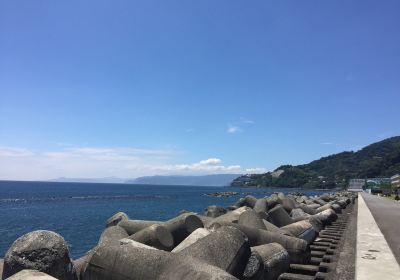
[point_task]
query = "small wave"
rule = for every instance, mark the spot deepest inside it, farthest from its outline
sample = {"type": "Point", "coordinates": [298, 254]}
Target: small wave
{"type": "Point", "coordinates": [12, 200]}
{"type": "Point", "coordinates": [80, 198]}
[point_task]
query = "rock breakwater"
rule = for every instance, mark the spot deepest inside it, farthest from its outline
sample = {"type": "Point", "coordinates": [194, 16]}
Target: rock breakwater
{"type": "Point", "coordinates": [256, 238]}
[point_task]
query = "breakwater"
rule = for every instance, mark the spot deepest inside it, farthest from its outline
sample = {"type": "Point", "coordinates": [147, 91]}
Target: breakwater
{"type": "Point", "coordinates": [274, 237]}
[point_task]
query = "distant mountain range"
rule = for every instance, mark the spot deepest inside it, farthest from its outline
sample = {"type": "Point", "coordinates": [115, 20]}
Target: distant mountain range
{"type": "Point", "coordinates": [381, 159]}
{"type": "Point", "coordinates": [205, 180]}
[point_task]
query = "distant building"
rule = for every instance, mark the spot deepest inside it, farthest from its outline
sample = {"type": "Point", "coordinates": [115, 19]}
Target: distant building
{"type": "Point", "coordinates": [380, 185]}
{"type": "Point", "coordinates": [356, 185]}
{"type": "Point", "coordinates": [395, 181]}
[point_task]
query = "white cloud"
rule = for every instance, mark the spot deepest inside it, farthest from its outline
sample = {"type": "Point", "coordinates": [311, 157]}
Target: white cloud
{"type": "Point", "coordinates": [327, 143]}
{"type": "Point", "coordinates": [210, 161]}
{"type": "Point", "coordinates": [96, 162]}
{"type": "Point", "coordinates": [233, 129]}
{"type": "Point", "coordinates": [256, 170]}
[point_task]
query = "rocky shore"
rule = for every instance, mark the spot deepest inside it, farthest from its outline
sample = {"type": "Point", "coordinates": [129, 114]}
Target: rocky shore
{"type": "Point", "coordinates": [256, 238]}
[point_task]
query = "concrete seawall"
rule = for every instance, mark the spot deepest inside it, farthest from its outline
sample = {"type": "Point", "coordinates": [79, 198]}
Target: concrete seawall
{"type": "Point", "coordinates": [374, 257]}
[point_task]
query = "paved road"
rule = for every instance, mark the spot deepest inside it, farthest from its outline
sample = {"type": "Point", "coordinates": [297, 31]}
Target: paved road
{"type": "Point", "coordinates": [386, 213]}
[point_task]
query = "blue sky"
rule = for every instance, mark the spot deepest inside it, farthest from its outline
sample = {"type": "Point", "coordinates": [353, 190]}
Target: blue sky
{"type": "Point", "coordinates": [131, 88]}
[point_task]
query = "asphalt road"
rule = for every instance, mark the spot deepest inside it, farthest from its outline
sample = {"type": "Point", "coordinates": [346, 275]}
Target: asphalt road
{"type": "Point", "coordinates": [386, 213]}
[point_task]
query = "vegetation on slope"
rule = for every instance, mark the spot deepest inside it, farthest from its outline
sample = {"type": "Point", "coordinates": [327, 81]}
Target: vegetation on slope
{"type": "Point", "coordinates": [381, 159]}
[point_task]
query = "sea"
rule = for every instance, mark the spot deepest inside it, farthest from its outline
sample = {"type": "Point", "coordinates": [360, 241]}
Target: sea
{"type": "Point", "coordinates": [78, 211]}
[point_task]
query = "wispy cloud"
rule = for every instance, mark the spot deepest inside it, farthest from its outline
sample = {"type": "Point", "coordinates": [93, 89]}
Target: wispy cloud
{"type": "Point", "coordinates": [246, 121]}
{"type": "Point", "coordinates": [327, 143]}
{"type": "Point", "coordinates": [95, 162]}
{"type": "Point", "coordinates": [14, 152]}
{"type": "Point", "coordinates": [237, 126]}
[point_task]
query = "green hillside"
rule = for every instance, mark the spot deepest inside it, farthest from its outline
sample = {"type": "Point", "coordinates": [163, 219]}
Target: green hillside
{"type": "Point", "coordinates": [381, 159]}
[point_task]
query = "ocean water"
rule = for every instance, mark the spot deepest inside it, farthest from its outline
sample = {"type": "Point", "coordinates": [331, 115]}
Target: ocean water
{"type": "Point", "coordinates": [78, 211]}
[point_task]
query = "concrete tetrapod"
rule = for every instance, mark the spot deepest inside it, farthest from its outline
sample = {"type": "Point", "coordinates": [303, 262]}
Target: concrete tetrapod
{"type": "Point", "coordinates": [30, 274]}
{"type": "Point", "coordinates": [157, 236]}
{"type": "Point", "coordinates": [133, 226]}
{"type": "Point", "coordinates": [327, 216]}
{"type": "Point", "coordinates": [275, 259]}
{"type": "Point", "coordinates": [337, 208]}
{"type": "Point", "coordinates": [180, 227]}
{"type": "Point", "coordinates": [192, 238]}
{"type": "Point", "coordinates": [255, 268]}
{"type": "Point", "coordinates": [125, 262]}
{"type": "Point", "coordinates": [130, 242]}
{"type": "Point", "coordinates": [297, 248]}
{"type": "Point", "coordinates": [261, 205]}
{"type": "Point", "coordinates": [297, 213]}
{"type": "Point", "coordinates": [272, 201]}
{"type": "Point", "coordinates": [112, 235]}
{"type": "Point", "coordinates": [115, 219]}
{"type": "Point", "coordinates": [41, 250]}
{"type": "Point", "coordinates": [248, 201]}
{"type": "Point", "coordinates": [279, 216]}
{"type": "Point", "coordinates": [324, 207]}
{"type": "Point", "coordinates": [226, 248]}
{"type": "Point", "coordinates": [214, 211]}
{"type": "Point", "coordinates": [251, 219]}
{"type": "Point", "coordinates": [273, 228]}
{"type": "Point", "coordinates": [81, 263]}
{"type": "Point", "coordinates": [307, 209]}
{"type": "Point", "coordinates": [288, 204]}
{"type": "Point", "coordinates": [301, 229]}
{"type": "Point", "coordinates": [230, 217]}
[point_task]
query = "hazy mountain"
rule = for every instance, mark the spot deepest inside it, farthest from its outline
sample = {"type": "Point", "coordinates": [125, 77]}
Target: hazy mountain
{"type": "Point", "coordinates": [205, 180]}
